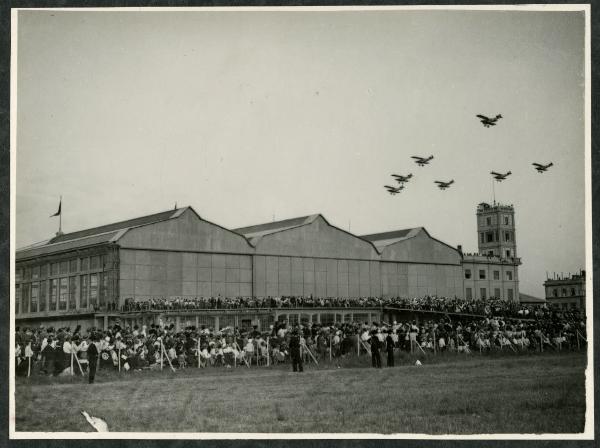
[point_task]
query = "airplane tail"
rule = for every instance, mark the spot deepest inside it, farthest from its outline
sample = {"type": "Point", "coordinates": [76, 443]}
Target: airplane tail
{"type": "Point", "coordinates": [550, 164]}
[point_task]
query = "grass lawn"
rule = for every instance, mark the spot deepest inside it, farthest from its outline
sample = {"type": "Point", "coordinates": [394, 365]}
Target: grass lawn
{"type": "Point", "coordinates": [535, 393]}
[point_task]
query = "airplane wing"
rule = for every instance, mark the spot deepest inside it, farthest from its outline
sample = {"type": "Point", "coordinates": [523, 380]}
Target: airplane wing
{"type": "Point", "coordinates": [483, 117]}
{"type": "Point", "coordinates": [416, 157]}
{"type": "Point", "coordinates": [493, 173]}
{"type": "Point", "coordinates": [538, 165]}
{"type": "Point", "coordinates": [439, 182]}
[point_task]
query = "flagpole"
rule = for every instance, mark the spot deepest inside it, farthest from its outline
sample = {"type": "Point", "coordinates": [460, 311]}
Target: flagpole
{"type": "Point", "coordinates": [60, 217]}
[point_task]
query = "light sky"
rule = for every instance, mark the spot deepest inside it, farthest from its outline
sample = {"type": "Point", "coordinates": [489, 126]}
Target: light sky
{"type": "Point", "coordinates": [247, 116]}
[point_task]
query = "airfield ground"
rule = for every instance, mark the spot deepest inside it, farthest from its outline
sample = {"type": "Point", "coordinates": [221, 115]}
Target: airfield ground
{"type": "Point", "coordinates": [533, 393]}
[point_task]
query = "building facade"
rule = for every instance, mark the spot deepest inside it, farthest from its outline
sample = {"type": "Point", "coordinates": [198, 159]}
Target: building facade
{"type": "Point", "coordinates": [568, 292]}
{"type": "Point", "coordinates": [87, 277]}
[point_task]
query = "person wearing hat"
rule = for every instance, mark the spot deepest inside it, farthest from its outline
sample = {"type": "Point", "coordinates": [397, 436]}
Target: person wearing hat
{"type": "Point", "coordinates": [295, 351]}
{"type": "Point", "coordinates": [389, 346]}
{"type": "Point", "coordinates": [92, 355]}
{"type": "Point", "coordinates": [375, 347]}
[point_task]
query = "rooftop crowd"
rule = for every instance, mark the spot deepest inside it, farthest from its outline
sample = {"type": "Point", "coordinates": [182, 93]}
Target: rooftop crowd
{"type": "Point", "coordinates": [492, 306]}
{"type": "Point", "coordinates": [53, 351]}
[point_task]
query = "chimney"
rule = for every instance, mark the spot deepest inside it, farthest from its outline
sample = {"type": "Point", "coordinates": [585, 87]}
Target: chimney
{"type": "Point", "coordinates": [459, 248]}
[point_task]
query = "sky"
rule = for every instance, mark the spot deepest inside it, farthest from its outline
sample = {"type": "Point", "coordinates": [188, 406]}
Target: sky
{"type": "Point", "coordinates": [254, 116]}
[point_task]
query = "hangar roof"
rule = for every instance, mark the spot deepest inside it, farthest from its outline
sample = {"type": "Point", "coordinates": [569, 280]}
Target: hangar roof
{"type": "Point", "coordinates": [380, 240]}
{"type": "Point", "coordinates": [275, 226]}
{"type": "Point", "coordinates": [93, 236]}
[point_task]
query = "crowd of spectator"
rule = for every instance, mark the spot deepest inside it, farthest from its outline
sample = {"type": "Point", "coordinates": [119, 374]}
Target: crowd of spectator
{"type": "Point", "coordinates": [487, 307]}
{"type": "Point", "coordinates": [55, 351]}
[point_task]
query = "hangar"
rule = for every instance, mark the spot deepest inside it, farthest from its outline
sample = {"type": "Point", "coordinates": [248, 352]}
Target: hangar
{"type": "Point", "coordinates": [87, 276]}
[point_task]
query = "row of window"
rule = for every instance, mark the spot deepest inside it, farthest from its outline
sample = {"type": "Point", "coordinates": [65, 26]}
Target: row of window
{"type": "Point", "coordinates": [489, 221]}
{"type": "Point", "coordinates": [482, 274]}
{"type": "Point", "coordinates": [494, 236]}
{"type": "Point", "coordinates": [483, 293]}
{"type": "Point", "coordinates": [564, 292]}
{"type": "Point", "coordinates": [62, 294]}
{"type": "Point", "coordinates": [59, 268]}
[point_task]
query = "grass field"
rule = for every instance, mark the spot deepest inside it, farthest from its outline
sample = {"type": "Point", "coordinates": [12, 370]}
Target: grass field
{"type": "Point", "coordinates": [533, 393]}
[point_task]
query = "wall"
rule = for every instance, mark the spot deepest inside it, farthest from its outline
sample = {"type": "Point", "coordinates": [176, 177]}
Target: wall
{"type": "Point", "coordinates": [421, 249]}
{"type": "Point", "coordinates": [490, 285]}
{"type": "Point", "coordinates": [148, 273]}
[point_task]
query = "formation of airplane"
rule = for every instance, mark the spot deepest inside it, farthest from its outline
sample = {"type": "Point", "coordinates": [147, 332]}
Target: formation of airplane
{"type": "Point", "coordinates": [422, 161]}
{"type": "Point", "coordinates": [487, 121]}
{"type": "Point", "coordinates": [542, 168]}
{"type": "Point", "coordinates": [443, 185]}
{"type": "Point", "coordinates": [499, 176]}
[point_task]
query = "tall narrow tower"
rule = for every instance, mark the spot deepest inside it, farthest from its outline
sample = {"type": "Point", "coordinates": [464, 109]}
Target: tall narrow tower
{"type": "Point", "coordinates": [496, 230]}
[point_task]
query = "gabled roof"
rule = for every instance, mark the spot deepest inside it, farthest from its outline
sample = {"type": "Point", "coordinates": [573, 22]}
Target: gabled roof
{"type": "Point", "coordinates": [273, 227]}
{"type": "Point", "coordinates": [94, 236]}
{"type": "Point", "coordinates": [380, 240]}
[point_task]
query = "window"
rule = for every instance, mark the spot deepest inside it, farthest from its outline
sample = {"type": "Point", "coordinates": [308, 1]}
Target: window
{"type": "Point", "coordinates": [83, 291]}
{"type": "Point", "coordinates": [572, 291]}
{"type": "Point", "coordinates": [481, 274]}
{"type": "Point", "coordinates": [64, 267]}
{"type": "Point", "coordinates": [72, 292]}
{"type": "Point", "coordinates": [564, 292]}
{"type": "Point", "coordinates": [482, 237]}
{"type": "Point", "coordinates": [506, 221]}
{"type": "Point", "coordinates": [53, 294]}
{"type": "Point", "coordinates": [94, 290]}
{"type": "Point", "coordinates": [483, 293]}
{"type": "Point", "coordinates": [496, 276]}
{"type": "Point", "coordinates": [469, 294]}
{"type": "Point", "coordinates": [43, 288]}
{"type": "Point", "coordinates": [17, 298]}
{"type": "Point", "coordinates": [497, 293]}
{"type": "Point", "coordinates": [509, 293]}
{"type": "Point", "coordinates": [35, 288]}
{"type": "Point", "coordinates": [508, 275]}
{"type": "Point", "coordinates": [84, 264]}
{"type": "Point", "coordinates": [489, 237]}
{"type": "Point", "coordinates": [54, 269]}
{"type": "Point", "coordinates": [25, 298]}
{"type": "Point", "coordinates": [467, 273]}
{"type": "Point", "coordinates": [27, 273]}
{"type": "Point", "coordinates": [95, 263]}
{"type": "Point", "coordinates": [506, 236]}
{"type": "Point", "coordinates": [18, 275]}
{"type": "Point", "coordinates": [73, 266]}
{"type": "Point", "coordinates": [103, 290]}
{"type": "Point", "coordinates": [44, 271]}
{"type": "Point", "coordinates": [64, 290]}
{"type": "Point", "coordinates": [555, 292]}
{"type": "Point", "coordinates": [508, 253]}
{"type": "Point", "coordinates": [490, 253]}
{"type": "Point", "coordinates": [35, 273]}
{"type": "Point", "coordinates": [488, 221]}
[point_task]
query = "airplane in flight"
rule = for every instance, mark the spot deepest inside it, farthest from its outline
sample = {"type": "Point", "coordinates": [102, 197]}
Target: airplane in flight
{"type": "Point", "coordinates": [393, 190]}
{"type": "Point", "coordinates": [443, 185]}
{"type": "Point", "coordinates": [499, 176]}
{"type": "Point", "coordinates": [487, 121]}
{"type": "Point", "coordinates": [401, 179]}
{"type": "Point", "coordinates": [542, 168]}
{"type": "Point", "coordinates": [422, 161]}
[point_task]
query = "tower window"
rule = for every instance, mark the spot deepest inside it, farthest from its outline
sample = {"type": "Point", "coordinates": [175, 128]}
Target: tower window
{"type": "Point", "coordinates": [481, 274]}
{"type": "Point", "coordinates": [489, 237]}
{"type": "Point", "coordinates": [508, 275]}
{"type": "Point", "coordinates": [506, 236]}
{"type": "Point", "coordinates": [496, 276]}
{"type": "Point", "coordinates": [467, 273]}
{"type": "Point", "coordinates": [482, 238]}
{"type": "Point", "coordinates": [508, 253]}
{"type": "Point", "coordinates": [488, 221]}
{"type": "Point", "coordinates": [572, 291]}
{"type": "Point", "coordinates": [506, 221]}
{"type": "Point", "coordinates": [564, 292]}
{"type": "Point", "coordinates": [555, 292]}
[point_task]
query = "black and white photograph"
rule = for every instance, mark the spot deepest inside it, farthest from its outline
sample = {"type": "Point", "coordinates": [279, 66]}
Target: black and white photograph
{"type": "Point", "coordinates": [301, 222]}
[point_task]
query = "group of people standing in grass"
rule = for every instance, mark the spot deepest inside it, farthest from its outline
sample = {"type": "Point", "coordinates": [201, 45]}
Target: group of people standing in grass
{"type": "Point", "coordinates": [64, 351]}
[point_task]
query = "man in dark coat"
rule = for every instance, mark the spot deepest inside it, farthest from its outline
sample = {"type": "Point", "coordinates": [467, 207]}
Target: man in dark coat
{"type": "Point", "coordinates": [375, 347]}
{"type": "Point", "coordinates": [389, 346]}
{"type": "Point", "coordinates": [92, 354]}
{"type": "Point", "coordinates": [295, 351]}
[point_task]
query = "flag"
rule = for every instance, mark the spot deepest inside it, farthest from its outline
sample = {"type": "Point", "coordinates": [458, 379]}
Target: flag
{"type": "Point", "coordinates": [58, 212]}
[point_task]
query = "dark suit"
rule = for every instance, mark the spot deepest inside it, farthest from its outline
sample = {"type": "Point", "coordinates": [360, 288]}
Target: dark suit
{"type": "Point", "coordinates": [390, 350]}
{"type": "Point", "coordinates": [92, 353]}
{"type": "Point", "coordinates": [295, 352]}
{"type": "Point", "coordinates": [375, 355]}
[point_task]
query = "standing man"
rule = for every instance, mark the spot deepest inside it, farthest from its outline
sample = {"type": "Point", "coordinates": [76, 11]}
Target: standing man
{"type": "Point", "coordinates": [375, 347]}
{"type": "Point", "coordinates": [92, 354]}
{"type": "Point", "coordinates": [389, 345]}
{"type": "Point", "coordinates": [295, 351]}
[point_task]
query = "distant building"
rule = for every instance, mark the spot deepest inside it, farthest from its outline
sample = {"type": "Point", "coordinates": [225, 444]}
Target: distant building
{"type": "Point", "coordinates": [527, 299]}
{"type": "Point", "coordinates": [568, 292]}
{"type": "Point", "coordinates": [494, 270]}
